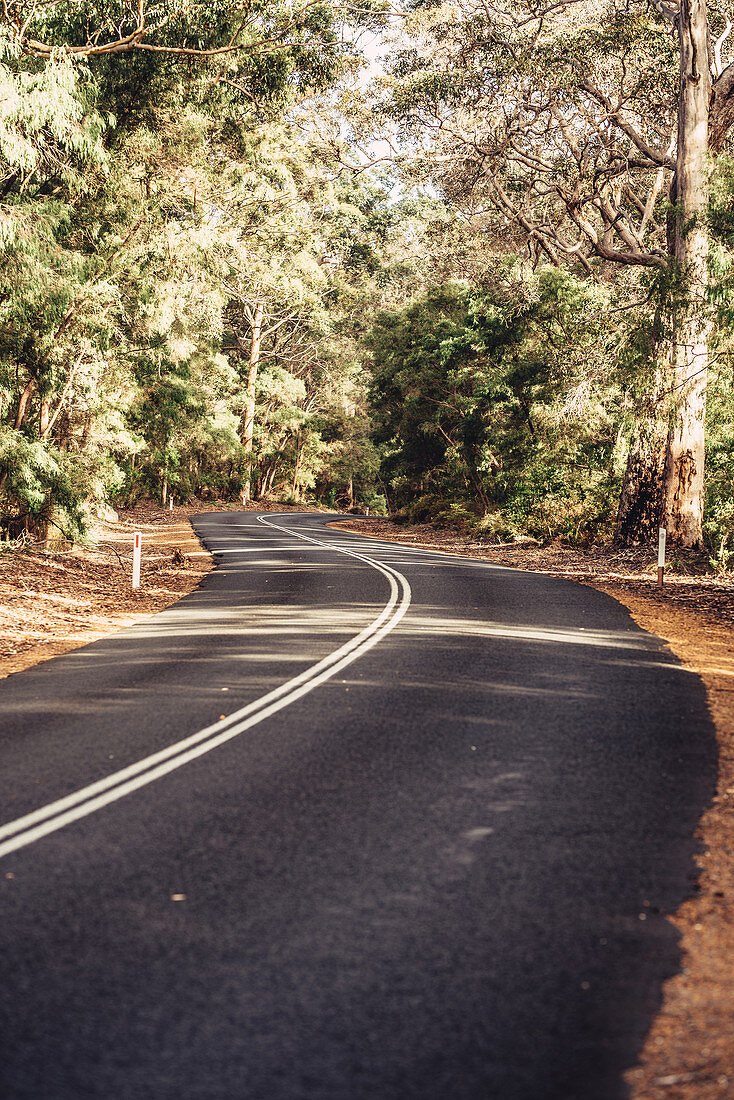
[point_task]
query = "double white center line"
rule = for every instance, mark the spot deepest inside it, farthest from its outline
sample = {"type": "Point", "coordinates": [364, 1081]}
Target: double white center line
{"type": "Point", "coordinates": [48, 819]}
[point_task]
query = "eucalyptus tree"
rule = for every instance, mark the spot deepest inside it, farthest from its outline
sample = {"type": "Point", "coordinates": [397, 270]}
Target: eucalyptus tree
{"type": "Point", "coordinates": [586, 128]}
{"type": "Point", "coordinates": [50, 139]}
{"type": "Point", "coordinates": [198, 29]}
{"type": "Point", "coordinates": [269, 199]}
{"type": "Point", "coordinates": [115, 120]}
{"type": "Point", "coordinates": [482, 402]}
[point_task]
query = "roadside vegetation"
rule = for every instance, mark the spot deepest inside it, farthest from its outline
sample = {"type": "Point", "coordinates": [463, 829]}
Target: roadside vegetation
{"type": "Point", "coordinates": [489, 288]}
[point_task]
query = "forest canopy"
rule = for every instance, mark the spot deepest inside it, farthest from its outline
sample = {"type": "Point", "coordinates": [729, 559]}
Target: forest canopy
{"type": "Point", "coordinates": [487, 283]}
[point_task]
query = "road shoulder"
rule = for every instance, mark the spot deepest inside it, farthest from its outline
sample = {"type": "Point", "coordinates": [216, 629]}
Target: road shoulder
{"type": "Point", "coordinates": [56, 600]}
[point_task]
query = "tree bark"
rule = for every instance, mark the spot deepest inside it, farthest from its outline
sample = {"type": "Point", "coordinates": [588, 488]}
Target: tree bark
{"type": "Point", "coordinates": [663, 484]}
{"type": "Point", "coordinates": [248, 420]}
{"type": "Point", "coordinates": [23, 404]}
{"type": "Point", "coordinates": [297, 467]}
{"type": "Point", "coordinates": [684, 463]}
{"type": "Point", "coordinates": [44, 423]}
{"type": "Point", "coordinates": [721, 117]}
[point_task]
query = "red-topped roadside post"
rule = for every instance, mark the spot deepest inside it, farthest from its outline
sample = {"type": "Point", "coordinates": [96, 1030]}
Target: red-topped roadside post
{"type": "Point", "coordinates": [137, 551]}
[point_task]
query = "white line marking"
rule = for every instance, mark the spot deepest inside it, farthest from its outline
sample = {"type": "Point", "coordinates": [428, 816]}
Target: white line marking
{"type": "Point", "coordinates": [48, 819]}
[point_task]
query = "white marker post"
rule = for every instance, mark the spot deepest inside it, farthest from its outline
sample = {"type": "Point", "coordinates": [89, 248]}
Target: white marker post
{"type": "Point", "coordinates": [661, 555]}
{"type": "Point", "coordinates": [137, 550]}
{"type": "Point", "coordinates": [170, 504]}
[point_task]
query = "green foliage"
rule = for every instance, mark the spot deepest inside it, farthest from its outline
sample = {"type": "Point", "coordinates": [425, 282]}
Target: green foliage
{"type": "Point", "coordinates": [484, 405]}
{"type": "Point", "coordinates": [143, 195]}
{"type": "Point", "coordinates": [47, 118]}
{"type": "Point", "coordinates": [150, 200]}
{"type": "Point", "coordinates": [719, 512]}
{"type": "Point", "coordinates": [49, 489]}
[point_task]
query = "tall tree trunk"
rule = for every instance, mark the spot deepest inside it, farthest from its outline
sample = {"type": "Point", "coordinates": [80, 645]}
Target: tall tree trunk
{"type": "Point", "coordinates": [663, 482]}
{"type": "Point", "coordinates": [23, 404]}
{"type": "Point", "coordinates": [297, 467]}
{"type": "Point", "coordinates": [87, 430]}
{"type": "Point", "coordinates": [44, 423]}
{"type": "Point", "coordinates": [248, 420]}
{"type": "Point", "coordinates": [270, 477]}
{"type": "Point", "coordinates": [684, 463]}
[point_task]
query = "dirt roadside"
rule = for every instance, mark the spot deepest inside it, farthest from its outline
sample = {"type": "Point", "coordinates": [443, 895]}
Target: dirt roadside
{"type": "Point", "coordinates": [53, 602]}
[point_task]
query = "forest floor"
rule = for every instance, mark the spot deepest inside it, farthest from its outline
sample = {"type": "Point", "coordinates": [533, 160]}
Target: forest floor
{"type": "Point", "coordinates": [54, 601]}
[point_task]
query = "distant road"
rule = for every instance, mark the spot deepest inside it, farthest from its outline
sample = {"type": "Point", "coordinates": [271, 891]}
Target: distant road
{"type": "Point", "coordinates": [352, 821]}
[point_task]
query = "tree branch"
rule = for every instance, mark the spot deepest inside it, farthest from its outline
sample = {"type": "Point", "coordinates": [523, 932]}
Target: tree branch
{"type": "Point", "coordinates": [135, 40]}
{"type": "Point", "coordinates": [47, 430]}
{"type": "Point", "coordinates": [721, 116]}
{"type": "Point", "coordinates": [605, 251]}
{"type": "Point", "coordinates": [718, 45]}
{"type": "Point", "coordinates": [667, 12]}
{"type": "Point", "coordinates": [615, 115]}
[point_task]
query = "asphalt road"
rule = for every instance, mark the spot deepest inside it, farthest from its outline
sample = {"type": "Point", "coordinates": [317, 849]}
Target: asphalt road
{"type": "Point", "coordinates": [349, 822]}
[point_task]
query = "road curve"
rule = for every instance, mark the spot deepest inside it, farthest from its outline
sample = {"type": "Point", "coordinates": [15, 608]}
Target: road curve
{"type": "Point", "coordinates": [350, 822]}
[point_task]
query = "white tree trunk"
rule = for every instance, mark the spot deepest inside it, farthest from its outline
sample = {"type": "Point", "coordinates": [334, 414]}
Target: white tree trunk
{"type": "Point", "coordinates": [684, 465]}
{"type": "Point", "coordinates": [248, 420]}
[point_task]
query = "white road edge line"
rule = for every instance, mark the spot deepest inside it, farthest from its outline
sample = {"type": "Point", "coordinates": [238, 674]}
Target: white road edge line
{"type": "Point", "coordinates": [56, 815]}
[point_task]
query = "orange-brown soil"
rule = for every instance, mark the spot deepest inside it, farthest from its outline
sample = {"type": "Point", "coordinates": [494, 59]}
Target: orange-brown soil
{"type": "Point", "coordinates": [53, 601]}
